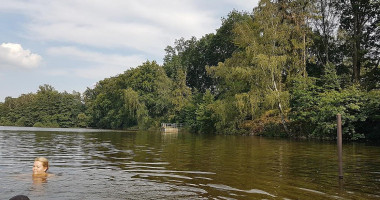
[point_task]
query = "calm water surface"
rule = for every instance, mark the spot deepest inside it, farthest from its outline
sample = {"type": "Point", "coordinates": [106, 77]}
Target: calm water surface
{"type": "Point", "coordinates": [152, 165]}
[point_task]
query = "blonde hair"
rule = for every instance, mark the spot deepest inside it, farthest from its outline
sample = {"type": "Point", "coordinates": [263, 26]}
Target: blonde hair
{"type": "Point", "coordinates": [44, 161]}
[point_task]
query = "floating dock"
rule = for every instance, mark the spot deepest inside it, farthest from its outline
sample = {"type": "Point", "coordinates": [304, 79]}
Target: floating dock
{"type": "Point", "coordinates": [170, 127]}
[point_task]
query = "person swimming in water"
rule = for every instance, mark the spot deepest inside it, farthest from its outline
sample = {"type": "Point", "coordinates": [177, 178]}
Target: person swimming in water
{"type": "Point", "coordinates": [40, 166]}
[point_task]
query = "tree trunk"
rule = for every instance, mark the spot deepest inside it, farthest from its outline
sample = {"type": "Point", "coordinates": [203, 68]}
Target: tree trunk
{"type": "Point", "coordinates": [304, 55]}
{"type": "Point", "coordinates": [283, 121]}
{"type": "Point", "coordinates": [356, 43]}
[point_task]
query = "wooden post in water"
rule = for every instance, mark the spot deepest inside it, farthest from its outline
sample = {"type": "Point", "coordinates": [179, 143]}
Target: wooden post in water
{"type": "Point", "coordinates": [339, 141]}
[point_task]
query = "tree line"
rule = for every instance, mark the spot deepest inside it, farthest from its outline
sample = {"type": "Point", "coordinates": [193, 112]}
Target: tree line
{"type": "Point", "coordinates": [284, 69]}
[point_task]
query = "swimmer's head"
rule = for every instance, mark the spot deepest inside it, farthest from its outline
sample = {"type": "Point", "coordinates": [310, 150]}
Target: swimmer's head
{"type": "Point", "coordinates": [40, 166]}
{"type": "Point", "coordinates": [19, 197]}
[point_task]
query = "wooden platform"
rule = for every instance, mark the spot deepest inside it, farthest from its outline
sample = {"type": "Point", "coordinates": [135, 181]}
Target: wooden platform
{"type": "Point", "coordinates": [170, 127]}
{"type": "Point", "coordinates": [170, 130]}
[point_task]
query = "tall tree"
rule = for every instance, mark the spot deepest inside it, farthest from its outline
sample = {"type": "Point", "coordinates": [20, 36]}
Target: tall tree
{"type": "Point", "coordinates": [360, 23]}
{"type": "Point", "coordinates": [297, 14]}
{"type": "Point", "coordinates": [324, 23]}
{"type": "Point", "coordinates": [193, 55]}
{"type": "Point", "coordinates": [274, 44]}
{"type": "Point", "coordinates": [266, 42]}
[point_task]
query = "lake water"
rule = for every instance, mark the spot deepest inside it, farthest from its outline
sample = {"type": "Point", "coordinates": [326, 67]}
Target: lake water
{"type": "Point", "coordinates": [101, 164]}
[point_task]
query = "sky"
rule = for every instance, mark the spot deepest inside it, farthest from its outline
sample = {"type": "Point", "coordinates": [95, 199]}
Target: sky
{"type": "Point", "coordinates": [73, 44]}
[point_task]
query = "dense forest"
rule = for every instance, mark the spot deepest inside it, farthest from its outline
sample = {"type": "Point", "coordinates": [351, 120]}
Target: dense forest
{"type": "Point", "coordinates": [284, 69]}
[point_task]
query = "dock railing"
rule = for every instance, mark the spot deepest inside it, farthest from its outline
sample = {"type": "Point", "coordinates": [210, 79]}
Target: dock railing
{"type": "Point", "coordinates": [171, 127]}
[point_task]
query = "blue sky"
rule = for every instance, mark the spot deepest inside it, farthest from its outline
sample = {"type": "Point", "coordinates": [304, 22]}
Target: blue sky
{"type": "Point", "coordinates": [72, 44]}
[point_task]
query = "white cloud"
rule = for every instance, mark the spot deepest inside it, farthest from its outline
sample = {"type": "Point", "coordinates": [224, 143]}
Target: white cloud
{"type": "Point", "coordinates": [102, 65]}
{"type": "Point", "coordinates": [14, 56]}
{"type": "Point", "coordinates": [246, 5]}
{"type": "Point", "coordinates": [145, 25]}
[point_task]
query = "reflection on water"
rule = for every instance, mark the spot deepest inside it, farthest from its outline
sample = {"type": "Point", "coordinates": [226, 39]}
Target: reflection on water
{"type": "Point", "coordinates": [143, 165]}
{"type": "Point", "coordinates": [38, 180]}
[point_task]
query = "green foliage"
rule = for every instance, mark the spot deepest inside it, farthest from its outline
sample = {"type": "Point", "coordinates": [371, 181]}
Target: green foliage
{"type": "Point", "coordinates": [371, 127]}
{"type": "Point", "coordinates": [46, 108]}
{"type": "Point", "coordinates": [83, 120]}
{"type": "Point", "coordinates": [193, 55]}
{"type": "Point", "coordinates": [329, 79]}
{"type": "Point", "coordinates": [204, 114]}
{"type": "Point", "coordinates": [152, 85]}
{"type": "Point", "coordinates": [314, 112]}
{"type": "Point", "coordinates": [348, 103]}
{"type": "Point", "coordinates": [371, 79]}
{"type": "Point", "coordinates": [227, 116]}
{"type": "Point", "coordinates": [272, 47]}
{"type": "Point", "coordinates": [181, 97]}
{"type": "Point", "coordinates": [138, 97]}
{"type": "Point", "coordinates": [303, 102]}
{"type": "Point", "coordinates": [38, 124]}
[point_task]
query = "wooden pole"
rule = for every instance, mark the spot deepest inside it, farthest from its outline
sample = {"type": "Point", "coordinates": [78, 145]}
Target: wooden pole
{"type": "Point", "coordinates": [339, 141]}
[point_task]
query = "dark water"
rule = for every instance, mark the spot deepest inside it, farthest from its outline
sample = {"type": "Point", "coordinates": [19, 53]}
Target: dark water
{"type": "Point", "coordinates": [154, 165]}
